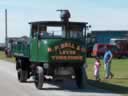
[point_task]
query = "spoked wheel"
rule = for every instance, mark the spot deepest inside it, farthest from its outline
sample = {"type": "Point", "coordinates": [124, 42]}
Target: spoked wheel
{"type": "Point", "coordinates": [22, 75]}
{"type": "Point", "coordinates": [39, 77]}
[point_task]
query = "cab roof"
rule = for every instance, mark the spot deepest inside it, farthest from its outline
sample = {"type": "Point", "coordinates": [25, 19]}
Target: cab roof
{"type": "Point", "coordinates": [58, 23]}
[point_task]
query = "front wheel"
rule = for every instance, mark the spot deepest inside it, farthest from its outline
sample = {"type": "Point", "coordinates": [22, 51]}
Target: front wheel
{"type": "Point", "coordinates": [39, 77]}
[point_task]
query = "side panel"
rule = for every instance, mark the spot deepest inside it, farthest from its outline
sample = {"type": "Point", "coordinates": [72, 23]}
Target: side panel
{"type": "Point", "coordinates": [21, 49]}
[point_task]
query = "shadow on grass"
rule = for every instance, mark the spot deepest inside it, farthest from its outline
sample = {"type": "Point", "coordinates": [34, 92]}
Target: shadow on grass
{"type": "Point", "coordinates": [107, 86]}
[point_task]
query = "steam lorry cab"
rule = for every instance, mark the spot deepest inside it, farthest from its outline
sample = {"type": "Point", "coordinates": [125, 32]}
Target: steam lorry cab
{"type": "Point", "coordinates": [55, 48]}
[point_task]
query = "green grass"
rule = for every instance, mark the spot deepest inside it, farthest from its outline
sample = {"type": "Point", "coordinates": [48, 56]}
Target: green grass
{"type": "Point", "coordinates": [3, 57]}
{"type": "Point", "coordinates": [119, 83]}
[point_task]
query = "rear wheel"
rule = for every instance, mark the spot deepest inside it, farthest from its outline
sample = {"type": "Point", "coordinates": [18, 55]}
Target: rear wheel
{"type": "Point", "coordinates": [39, 77]}
{"type": "Point", "coordinates": [22, 75]}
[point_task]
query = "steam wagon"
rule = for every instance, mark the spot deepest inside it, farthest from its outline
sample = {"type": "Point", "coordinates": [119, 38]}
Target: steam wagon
{"type": "Point", "coordinates": [55, 48]}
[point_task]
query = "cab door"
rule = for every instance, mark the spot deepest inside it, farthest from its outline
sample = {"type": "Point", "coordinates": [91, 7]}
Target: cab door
{"type": "Point", "coordinates": [34, 44]}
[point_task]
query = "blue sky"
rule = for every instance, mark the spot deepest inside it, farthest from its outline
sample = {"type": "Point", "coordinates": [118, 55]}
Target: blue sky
{"type": "Point", "coordinates": [101, 14]}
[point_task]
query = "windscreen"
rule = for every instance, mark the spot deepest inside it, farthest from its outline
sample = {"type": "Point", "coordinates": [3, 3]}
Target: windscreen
{"type": "Point", "coordinates": [70, 32]}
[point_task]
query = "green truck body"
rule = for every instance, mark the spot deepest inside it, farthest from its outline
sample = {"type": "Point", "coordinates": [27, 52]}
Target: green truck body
{"type": "Point", "coordinates": [51, 53]}
{"type": "Point", "coordinates": [37, 51]}
{"type": "Point", "coordinates": [21, 48]}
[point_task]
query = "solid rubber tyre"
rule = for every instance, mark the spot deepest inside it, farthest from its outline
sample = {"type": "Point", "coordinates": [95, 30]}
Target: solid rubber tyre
{"type": "Point", "coordinates": [22, 75]}
{"type": "Point", "coordinates": [39, 77]}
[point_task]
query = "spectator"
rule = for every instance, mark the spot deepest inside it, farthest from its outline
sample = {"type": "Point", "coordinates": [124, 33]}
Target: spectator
{"type": "Point", "coordinates": [107, 63]}
{"type": "Point", "coordinates": [97, 68]}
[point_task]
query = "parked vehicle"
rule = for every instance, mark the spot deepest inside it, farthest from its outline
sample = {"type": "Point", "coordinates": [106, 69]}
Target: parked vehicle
{"type": "Point", "coordinates": [122, 44]}
{"type": "Point", "coordinates": [2, 46]}
{"type": "Point", "coordinates": [59, 54]}
{"type": "Point", "coordinates": [99, 50]}
{"type": "Point", "coordinates": [8, 47]}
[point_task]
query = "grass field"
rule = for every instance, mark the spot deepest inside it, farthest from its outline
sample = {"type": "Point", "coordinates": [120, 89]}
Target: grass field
{"type": "Point", "coordinates": [118, 84]}
{"type": "Point", "coordinates": [3, 57]}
